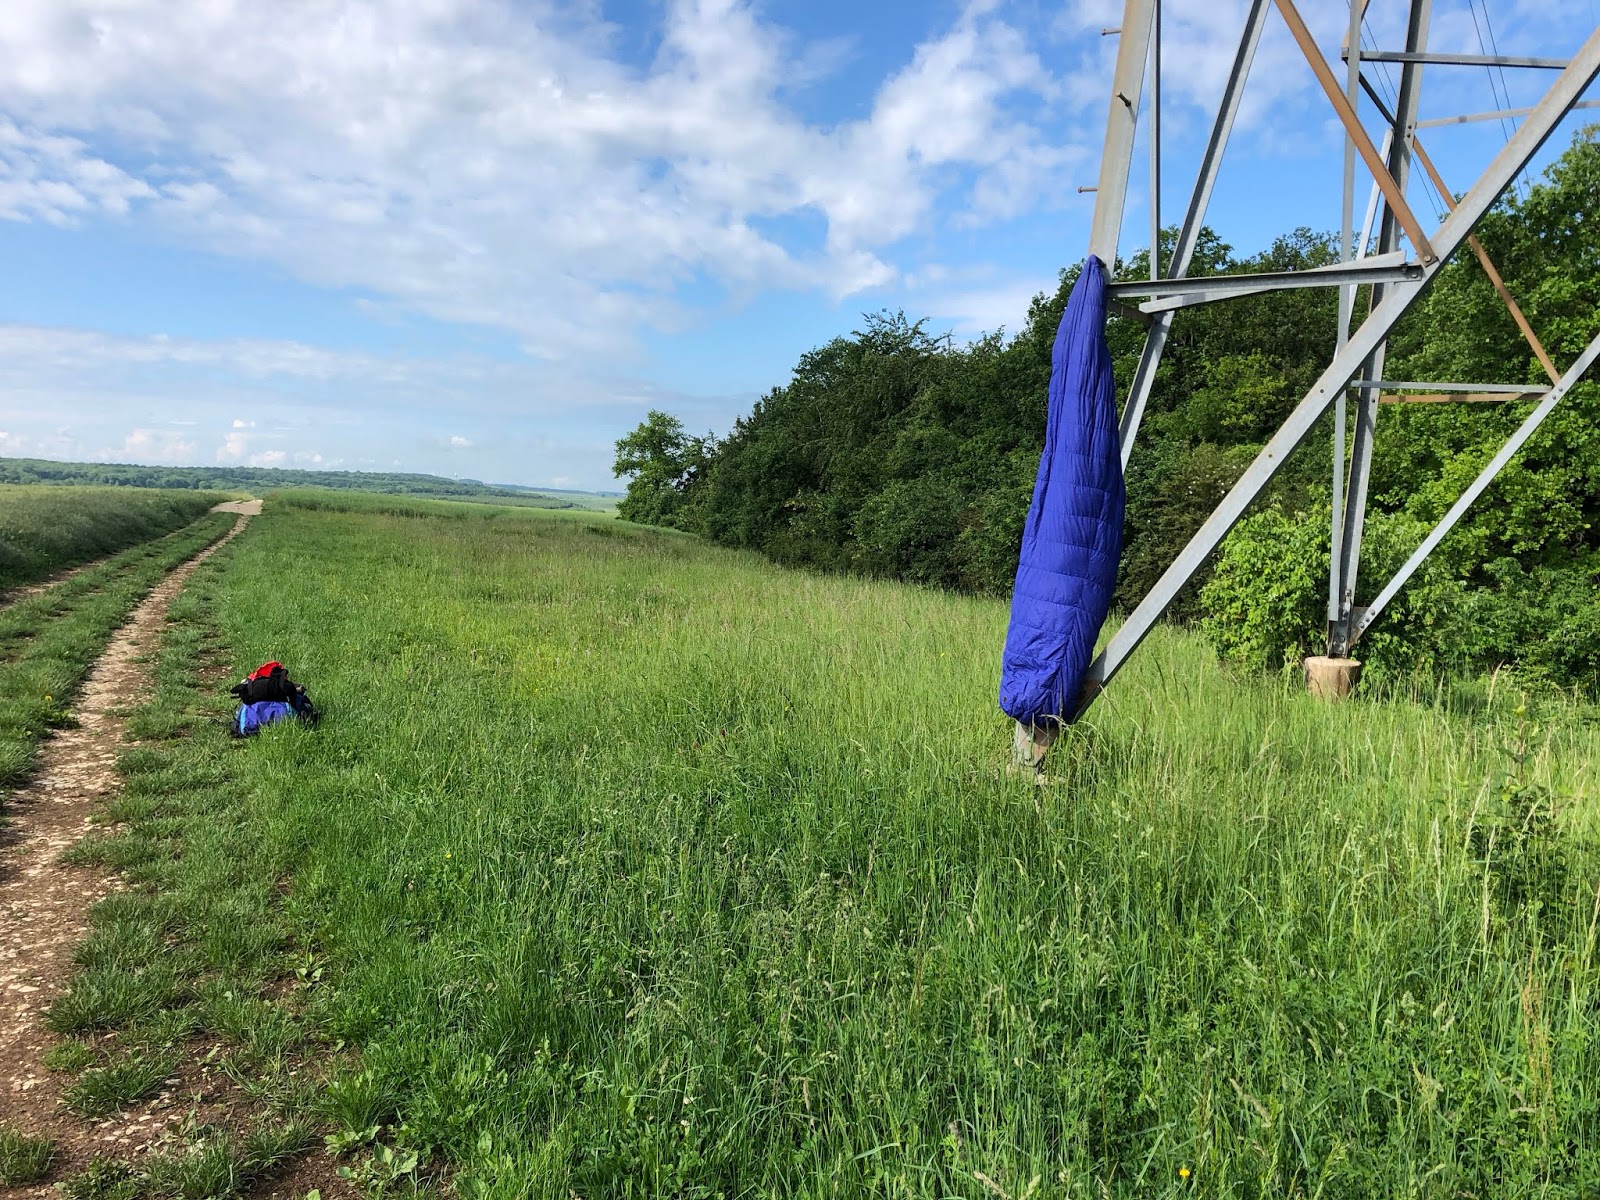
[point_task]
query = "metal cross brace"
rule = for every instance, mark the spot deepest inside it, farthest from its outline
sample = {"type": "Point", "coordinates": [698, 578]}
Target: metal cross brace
{"type": "Point", "coordinates": [1476, 488]}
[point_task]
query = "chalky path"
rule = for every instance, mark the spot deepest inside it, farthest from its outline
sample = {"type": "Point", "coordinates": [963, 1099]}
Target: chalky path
{"type": "Point", "coordinates": [44, 904]}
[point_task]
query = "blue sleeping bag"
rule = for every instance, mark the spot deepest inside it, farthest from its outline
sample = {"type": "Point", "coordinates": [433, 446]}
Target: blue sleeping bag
{"type": "Point", "coordinates": [1073, 538]}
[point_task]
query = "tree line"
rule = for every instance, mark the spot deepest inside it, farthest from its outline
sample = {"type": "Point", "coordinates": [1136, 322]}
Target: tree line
{"type": "Point", "coordinates": [896, 453]}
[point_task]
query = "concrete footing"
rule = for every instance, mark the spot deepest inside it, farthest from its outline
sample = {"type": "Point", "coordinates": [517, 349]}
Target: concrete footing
{"type": "Point", "coordinates": [1332, 678]}
{"type": "Point", "coordinates": [1030, 744]}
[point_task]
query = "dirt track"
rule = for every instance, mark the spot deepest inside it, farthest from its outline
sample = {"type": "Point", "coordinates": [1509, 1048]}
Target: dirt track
{"type": "Point", "coordinates": [44, 904]}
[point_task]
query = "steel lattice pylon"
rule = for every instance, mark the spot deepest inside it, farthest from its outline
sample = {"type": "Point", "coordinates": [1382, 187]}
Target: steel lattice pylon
{"type": "Point", "coordinates": [1398, 276]}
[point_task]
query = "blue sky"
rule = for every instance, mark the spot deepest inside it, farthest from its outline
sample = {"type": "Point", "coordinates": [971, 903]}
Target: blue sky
{"type": "Point", "coordinates": [484, 237]}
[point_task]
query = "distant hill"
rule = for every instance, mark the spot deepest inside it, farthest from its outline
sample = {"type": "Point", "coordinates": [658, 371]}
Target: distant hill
{"type": "Point", "coordinates": [258, 479]}
{"type": "Point", "coordinates": [555, 491]}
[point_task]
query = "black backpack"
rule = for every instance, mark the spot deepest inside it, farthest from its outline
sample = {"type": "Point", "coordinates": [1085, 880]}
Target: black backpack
{"type": "Point", "coordinates": [275, 685]}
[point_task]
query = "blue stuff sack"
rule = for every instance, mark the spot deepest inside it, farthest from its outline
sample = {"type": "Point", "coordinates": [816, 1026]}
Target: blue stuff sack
{"type": "Point", "coordinates": [252, 718]}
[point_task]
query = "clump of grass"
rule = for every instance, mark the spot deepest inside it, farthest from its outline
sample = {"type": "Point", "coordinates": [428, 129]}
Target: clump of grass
{"type": "Point", "coordinates": [69, 1056]}
{"type": "Point", "coordinates": [216, 1165]}
{"type": "Point", "coordinates": [262, 1030]}
{"type": "Point", "coordinates": [159, 913]}
{"type": "Point", "coordinates": [120, 851]}
{"type": "Point", "coordinates": [105, 997]}
{"type": "Point", "coordinates": [126, 944]}
{"type": "Point", "coordinates": [112, 1088]}
{"type": "Point", "coordinates": [103, 1179]}
{"type": "Point", "coordinates": [166, 1027]}
{"type": "Point", "coordinates": [24, 1159]}
{"type": "Point", "coordinates": [357, 1104]}
{"type": "Point", "coordinates": [269, 1145]}
{"type": "Point", "coordinates": [211, 1170]}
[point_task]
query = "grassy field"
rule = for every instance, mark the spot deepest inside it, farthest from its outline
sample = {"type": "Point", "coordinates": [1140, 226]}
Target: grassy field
{"type": "Point", "coordinates": [633, 867]}
{"type": "Point", "coordinates": [45, 529]}
{"type": "Point", "coordinates": [588, 501]}
{"type": "Point", "coordinates": [447, 508]}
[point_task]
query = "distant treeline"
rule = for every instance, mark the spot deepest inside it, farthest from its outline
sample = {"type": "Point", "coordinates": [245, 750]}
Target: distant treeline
{"type": "Point", "coordinates": [38, 470]}
{"type": "Point", "coordinates": [896, 453]}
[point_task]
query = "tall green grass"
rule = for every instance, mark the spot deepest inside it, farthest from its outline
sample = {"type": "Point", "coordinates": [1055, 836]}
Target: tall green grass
{"type": "Point", "coordinates": [637, 868]}
{"type": "Point", "coordinates": [44, 529]}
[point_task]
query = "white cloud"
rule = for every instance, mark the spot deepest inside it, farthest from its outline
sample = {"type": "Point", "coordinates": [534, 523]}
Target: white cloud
{"type": "Point", "coordinates": [235, 447]}
{"type": "Point", "coordinates": [489, 162]}
{"type": "Point", "coordinates": [80, 352]}
{"type": "Point", "coordinates": [974, 311]}
{"type": "Point", "coordinates": [156, 446]}
{"type": "Point", "coordinates": [57, 180]}
{"type": "Point", "coordinates": [457, 442]}
{"type": "Point", "coordinates": [241, 423]}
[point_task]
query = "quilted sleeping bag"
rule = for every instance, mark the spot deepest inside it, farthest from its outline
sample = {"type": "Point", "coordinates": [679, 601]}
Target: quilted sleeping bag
{"type": "Point", "coordinates": [1073, 538]}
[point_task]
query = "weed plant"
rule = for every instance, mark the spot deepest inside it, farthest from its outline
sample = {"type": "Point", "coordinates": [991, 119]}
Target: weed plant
{"type": "Point", "coordinates": [635, 867]}
{"type": "Point", "coordinates": [44, 529]}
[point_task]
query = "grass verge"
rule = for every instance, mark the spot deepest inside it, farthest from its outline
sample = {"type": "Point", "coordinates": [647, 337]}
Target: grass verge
{"type": "Point", "coordinates": [187, 980]}
{"type": "Point", "coordinates": [44, 529]}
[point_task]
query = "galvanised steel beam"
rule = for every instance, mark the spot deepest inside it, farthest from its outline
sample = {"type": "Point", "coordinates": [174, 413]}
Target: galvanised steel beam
{"type": "Point", "coordinates": [1194, 217]}
{"type": "Point", "coordinates": [1206, 289]}
{"type": "Point", "coordinates": [1122, 121]}
{"type": "Point", "coordinates": [1444, 398]}
{"type": "Point", "coordinates": [1391, 265]}
{"type": "Point", "coordinates": [1498, 114]}
{"type": "Point", "coordinates": [1346, 565]}
{"type": "Point", "coordinates": [1511, 159]}
{"type": "Point", "coordinates": [1373, 205]}
{"type": "Point", "coordinates": [1347, 296]}
{"type": "Point", "coordinates": [1476, 488]}
{"type": "Point", "coordinates": [1155, 140]}
{"type": "Point", "coordinates": [1393, 189]}
{"type": "Point", "coordinates": [1396, 385]}
{"type": "Point", "coordinates": [1463, 60]}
